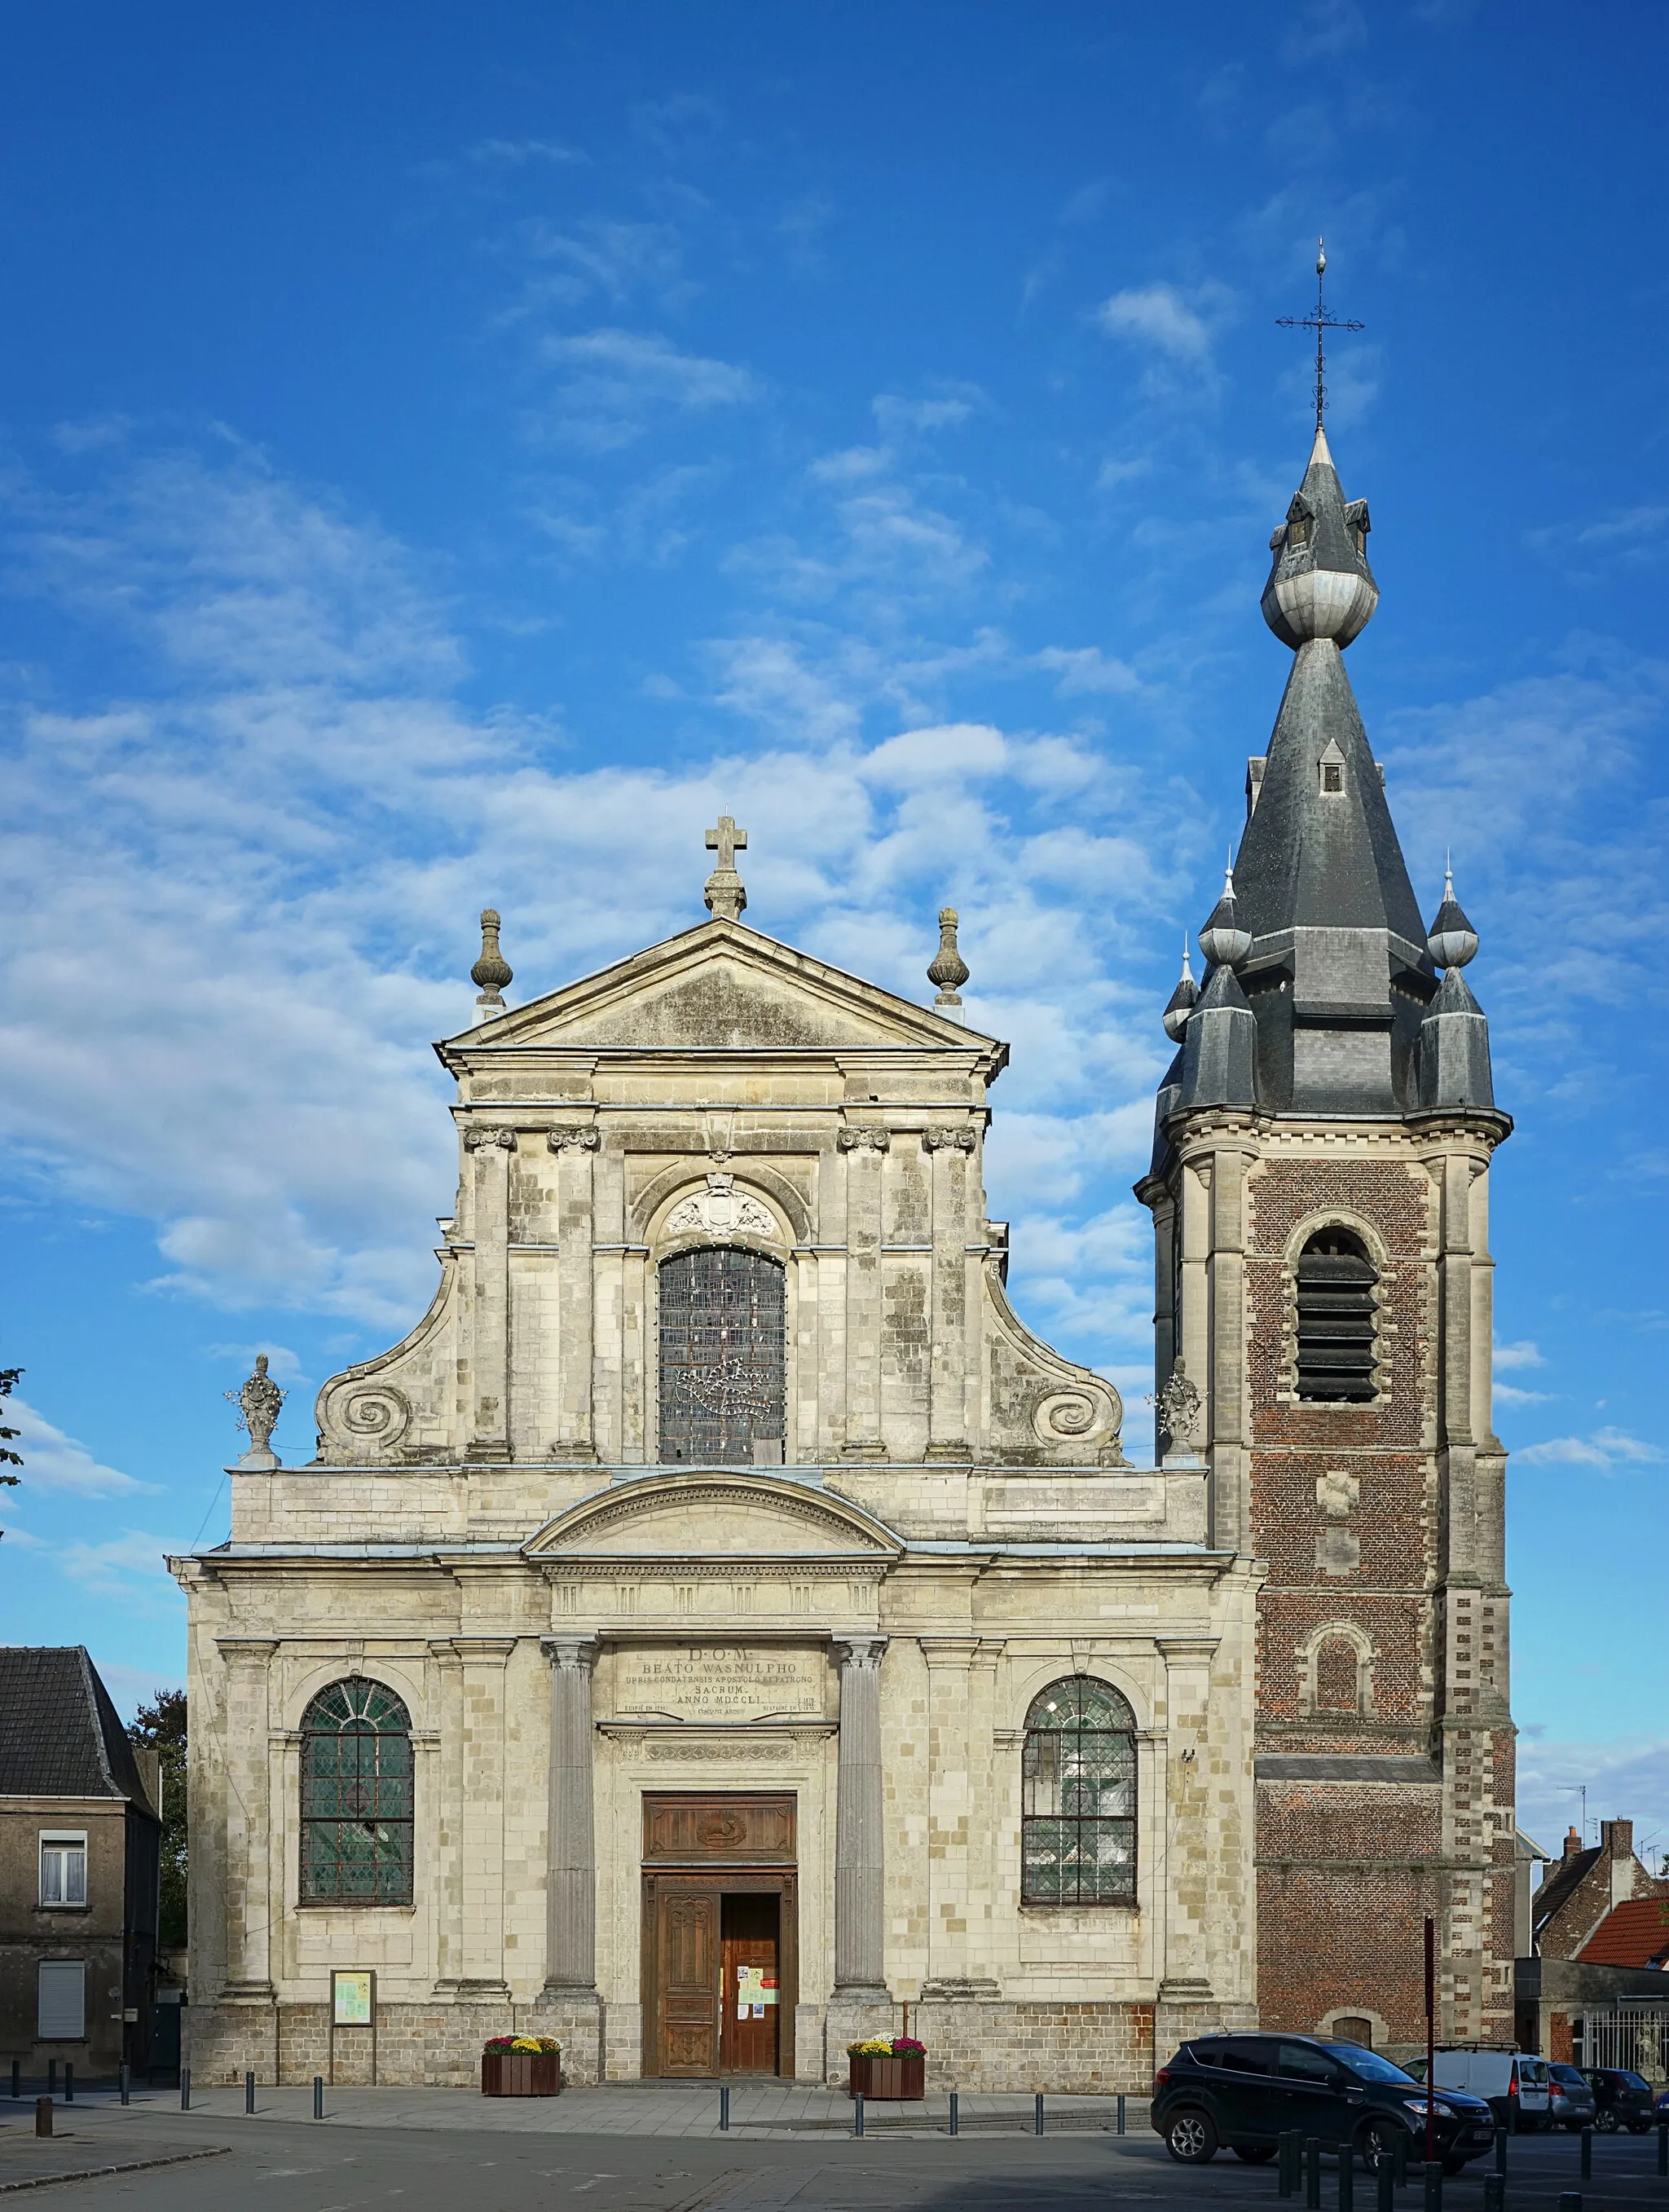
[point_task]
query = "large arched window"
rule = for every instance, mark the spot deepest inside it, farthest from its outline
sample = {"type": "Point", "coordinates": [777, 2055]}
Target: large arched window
{"type": "Point", "coordinates": [1077, 1824]}
{"type": "Point", "coordinates": [1336, 1308]}
{"type": "Point", "coordinates": [722, 1369]}
{"type": "Point", "coordinates": [356, 1796]}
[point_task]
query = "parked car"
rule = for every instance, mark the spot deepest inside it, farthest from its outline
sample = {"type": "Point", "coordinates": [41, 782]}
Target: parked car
{"type": "Point", "coordinates": [1515, 2087]}
{"type": "Point", "coordinates": [1572, 2098]}
{"type": "Point", "coordinates": [1622, 2099]}
{"type": "Point", "coordinates": [1246, 2091]}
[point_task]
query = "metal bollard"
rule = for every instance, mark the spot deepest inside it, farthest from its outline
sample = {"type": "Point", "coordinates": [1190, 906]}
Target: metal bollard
{"type": "Point", "coordinates": [1385, 2175]}
{"type": "Point", "coordinates": [1346, 2178]}
{"type": "Point", "coordinates": [1662, 2133]}
{"type": "Point", "coordinates": [1313, 2174]}
{"type": "Point", "coordinates": [858, 2114]}
{"type": "Point", "coordinates": [185, 2089]}
{"type": "Point", "coordinates": [1495, 2192]}
{"type": "Point", "coordinates": [17, 2077]}
{"type": "Point", "coordinates": [69, 2081]}
{"type": "Point", "coordinates": [1500, 2151]}
{"type": "Point", "coordinates": [124, 2082]}
{"type": "Point", "coordinates": [724, 2110]}
{"type": "Point", "coordinates": [1120, 2128]}
{"type": "Point", "coordinates": [1587, 2154]}
{"type": "Point", "coordinates": [954, 2113]}
{"type": "Point", "coordinates": [43, 2116]}
{"type": "Point", "coordinates": [318, 2096]}
{"type": "Point", "coordinates": [249, 2093]}
{"type": "Point", "coordinates": [1433, 2169]}
{"type": "Point", "coordinates": [1286, 2179]}
{"type": "Point", "coordinates": [1399, 2160]}
{"type": "Point", "coordinates": [1037, 2120]}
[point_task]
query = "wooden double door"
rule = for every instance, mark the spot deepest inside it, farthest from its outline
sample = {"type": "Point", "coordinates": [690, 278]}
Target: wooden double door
{"type": "Point", "coordinates": [720, 1943]}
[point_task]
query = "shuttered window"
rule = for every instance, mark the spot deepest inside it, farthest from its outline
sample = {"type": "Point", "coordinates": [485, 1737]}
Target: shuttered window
{"type": "Point", "coordinates": [61, 2001]}
{"type": "Point", "coordinates": [1337, 1302]}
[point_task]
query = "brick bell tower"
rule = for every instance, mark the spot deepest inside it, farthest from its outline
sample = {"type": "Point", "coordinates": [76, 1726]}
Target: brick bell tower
{"type": "Point", "coordinates": [1319, 1191]}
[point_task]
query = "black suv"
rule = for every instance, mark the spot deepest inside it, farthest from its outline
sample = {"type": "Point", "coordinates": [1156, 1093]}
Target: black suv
{"type": "Point", "coordinates": [1247, 2091]}
{"type": "Point", "coordinates": [1622, 2099]}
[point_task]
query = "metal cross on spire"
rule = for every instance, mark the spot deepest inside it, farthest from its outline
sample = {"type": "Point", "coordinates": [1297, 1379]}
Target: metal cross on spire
{"type": "Point", "coordinates": [1320, 322]}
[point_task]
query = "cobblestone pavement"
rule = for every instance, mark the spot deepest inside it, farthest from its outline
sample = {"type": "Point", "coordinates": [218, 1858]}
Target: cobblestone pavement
{"type": "Point", "coordinates": [370, 2157]}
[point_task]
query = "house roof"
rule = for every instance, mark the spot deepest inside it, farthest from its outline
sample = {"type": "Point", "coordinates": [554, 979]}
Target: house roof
{"type": "Point", "coordinates": [60, 1735]}
{"type": "Point", "coordinates": [1561, 1885]}
{"type": "Point", "coordinates": [1633, 1934]}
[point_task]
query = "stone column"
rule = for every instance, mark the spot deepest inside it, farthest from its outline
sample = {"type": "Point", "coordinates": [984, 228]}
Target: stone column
{"type": "Point", "coordinates": [949, 1147]}
{"type": "Point", "coordinates": [489, 1306]}
{"type": "Point", "coordinates": [860, 1970]}
{"type": "Point", "coordinates": [248, 1819]}
{"type": "Point", "coordinates": [865, 1145]}
{"type": "Point", "coordinates": [575, 1146]}
{"type": "Point", "coordinates": [571, 1837]}
{"type": "Point", "coordinates": [1193, 1853]}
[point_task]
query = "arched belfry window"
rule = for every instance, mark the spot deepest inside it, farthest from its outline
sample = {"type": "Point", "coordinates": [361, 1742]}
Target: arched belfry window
{"type": "Point", "coordinates": [723, 1394]}
{"type": "Point", "coordinates": [1078, 1815]}
{"type": "Point", "coordinates": [1337, 1303]}
{"type": "Point", "coordinates": [356, 1796]}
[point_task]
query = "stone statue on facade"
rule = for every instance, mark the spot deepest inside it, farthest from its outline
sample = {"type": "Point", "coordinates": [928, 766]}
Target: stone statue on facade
{"type": "Point", "coordinates": [259, 1404]}
{"type": "Point", "coordinates": [1176, 1409]}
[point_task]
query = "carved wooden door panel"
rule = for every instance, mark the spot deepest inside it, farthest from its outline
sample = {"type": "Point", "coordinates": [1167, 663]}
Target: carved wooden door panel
{"type": "Point", "coordinates": [686, 1963]}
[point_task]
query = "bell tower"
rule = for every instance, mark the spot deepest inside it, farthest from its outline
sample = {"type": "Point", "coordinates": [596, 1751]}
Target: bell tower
{"type": "Point", "coordinates": [1319, 1193]}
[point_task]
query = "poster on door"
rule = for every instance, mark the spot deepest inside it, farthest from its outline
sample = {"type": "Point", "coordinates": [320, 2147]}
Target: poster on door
{"type": "Point", "coordinates": [755, 1989]}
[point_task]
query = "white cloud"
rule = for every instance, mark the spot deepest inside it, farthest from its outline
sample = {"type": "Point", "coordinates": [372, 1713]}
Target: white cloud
{"type": "Point", "coordinates": [53, 1460]}
{"type": "Point", "coordinates": [1086, 669]}
{"type": "Point", "coordinates": [129, 1567]}
{"type": "Point", "coordinates": [1609, 1449]}
{"type": "Point", "coordinates": [519, 153]}
{"type": "Point", "coordinates": [947, 412]}
{"type": "Point", "coordinates": [1524, 1354]}
{"type": "Point", "coordinates": [1624, 1780]}
{"type": "Point", "coordinates": [1507, 1394]}
{"type": "Point", "coordinates": [615, 383]}
{"type": "Point", "coordinates": [1162, 319]}
{"type": "Point", "coordinates": [1322, 30]}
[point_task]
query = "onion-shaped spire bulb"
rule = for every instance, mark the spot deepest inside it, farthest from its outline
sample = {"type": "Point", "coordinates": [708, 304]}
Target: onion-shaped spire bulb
{"type": "Point", "coordinates": [492, 973]}
{"type": "Point", "coordinates": [1180, 1004]}
{"type": "Point", "coordinates": [1452, 941]}
{"type": "Point", "coordinates": [1223, 941]}
{"type": "Point", "coordinates": [948, 972]}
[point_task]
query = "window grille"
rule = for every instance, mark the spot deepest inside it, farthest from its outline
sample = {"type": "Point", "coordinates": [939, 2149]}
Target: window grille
{"type": "Point", "coordinates": [722, 1364]}
{"type": "Point", "coordinates": [356, 1796]}
{"type": "Point", "coordinates": [1077, 1826]}
{"type": "Point", "coordinates": [63, 1869]}
{"type": "Point", "coordinates": [1335, 1308]}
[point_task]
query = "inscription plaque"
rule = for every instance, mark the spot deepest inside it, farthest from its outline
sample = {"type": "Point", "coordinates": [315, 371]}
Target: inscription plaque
{"type": "Point", "coordinates": [720, 1682]}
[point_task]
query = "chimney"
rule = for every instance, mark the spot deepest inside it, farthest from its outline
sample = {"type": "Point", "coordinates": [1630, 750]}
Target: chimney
{"type": "Point", "coordinates": [1616, 1843]}
{"type": "Point", "coordinates": [1572, 1843]}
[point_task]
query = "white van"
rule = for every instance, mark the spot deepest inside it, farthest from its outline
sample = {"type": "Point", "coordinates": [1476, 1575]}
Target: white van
{"type": "Point", "coordinates": [1517, 2087]}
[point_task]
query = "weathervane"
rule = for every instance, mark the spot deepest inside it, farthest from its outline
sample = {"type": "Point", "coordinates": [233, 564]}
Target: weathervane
{"type": "Point", "coordinates": [1320, 322]}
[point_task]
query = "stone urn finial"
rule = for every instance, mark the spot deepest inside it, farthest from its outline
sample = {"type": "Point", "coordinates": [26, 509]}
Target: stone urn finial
{"type": "Point", "coordinates": [947, 970]}
{"type": "Point", "coordinates": [492, 973]}
{"type": "Point", "coordinates": [259, 1404]}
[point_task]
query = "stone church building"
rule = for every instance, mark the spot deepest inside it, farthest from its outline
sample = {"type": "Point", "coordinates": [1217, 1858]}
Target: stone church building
{"type": "Point", "coordinates": [721, 1624]}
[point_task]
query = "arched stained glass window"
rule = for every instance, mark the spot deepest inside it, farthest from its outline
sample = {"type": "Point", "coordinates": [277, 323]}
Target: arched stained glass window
{"type": "Point", "coordinates": [356, 1796]}
{"type": "Point", "coordinates": [1077, 1824]}
{"type": "Point", "coordinates": [722, 1363]}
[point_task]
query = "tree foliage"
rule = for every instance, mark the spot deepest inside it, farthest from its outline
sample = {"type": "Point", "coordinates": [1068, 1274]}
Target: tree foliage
{"type": "Point", "coordinates": [161, 1726]}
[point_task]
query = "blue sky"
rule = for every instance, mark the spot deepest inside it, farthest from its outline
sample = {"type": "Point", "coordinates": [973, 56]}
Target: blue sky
{"type": "Point", "coordinates": [448, 455]}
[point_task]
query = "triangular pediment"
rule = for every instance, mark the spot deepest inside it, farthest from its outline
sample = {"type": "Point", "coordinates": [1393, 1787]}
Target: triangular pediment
{"type": "Point", "coordinates": [722, 987]}
{"type": "Point", "coordinates": [715, 1513]}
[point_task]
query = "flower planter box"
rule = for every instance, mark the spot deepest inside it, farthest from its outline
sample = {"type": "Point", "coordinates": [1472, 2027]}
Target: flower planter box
{"type": "Point", "coordinates": [521, 2074]}
{"type": "Point", "coordinates": [899, 2078]}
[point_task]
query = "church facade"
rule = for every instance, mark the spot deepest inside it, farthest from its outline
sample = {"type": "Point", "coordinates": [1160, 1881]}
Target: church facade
{"type": "Point", "coordinates": [721, 1629]}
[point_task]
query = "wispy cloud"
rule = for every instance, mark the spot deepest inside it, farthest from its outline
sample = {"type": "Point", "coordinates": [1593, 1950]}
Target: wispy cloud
{"type": "Point", "coordinates": [53, 1460]}
{"type": "Point", "coordinates": [129, 1567]}
{"type": "Point", "coordinates": [1321, 30]}
{"type": "Point", "coordinates": [1524, 1354]}
{"type": "Point", "coordinates": [1611, 1451]}
{"type": "Point", "coordinates": [614, 384]}
{"type": "Point", "coordinates": [520, 152]}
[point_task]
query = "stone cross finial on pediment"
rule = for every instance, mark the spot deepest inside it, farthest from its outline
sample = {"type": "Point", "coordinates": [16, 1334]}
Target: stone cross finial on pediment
{"type": "Point", "coordinates": [724, 894]}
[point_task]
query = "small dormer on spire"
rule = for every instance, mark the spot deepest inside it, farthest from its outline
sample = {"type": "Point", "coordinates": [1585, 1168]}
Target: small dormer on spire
{"type": "Point", "coordinates": [948, 972]}
{"type": "Point", "coordinates": [725, 894]}
{"type": "Point", "coordinates": [1181, 1003]}
{"type": "Point", "coordinates": [492, 973]}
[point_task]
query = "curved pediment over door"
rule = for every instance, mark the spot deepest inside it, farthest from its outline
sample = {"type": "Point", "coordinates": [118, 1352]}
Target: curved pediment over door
{"type": "Point", "coordinates": [715, 1513]}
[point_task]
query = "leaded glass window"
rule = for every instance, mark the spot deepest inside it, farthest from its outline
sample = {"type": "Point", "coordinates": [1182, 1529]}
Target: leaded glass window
{"type": "Point", "coordinates": [1077, 1825]}
{"type": "Point", "coordinates": [356, 1796]}
{"type": "Point", "coordinates": [721, 1357]}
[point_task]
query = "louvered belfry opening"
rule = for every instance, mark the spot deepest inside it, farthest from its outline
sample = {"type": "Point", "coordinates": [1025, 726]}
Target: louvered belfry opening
{"type": "Point", "coordinates": [722, 1368]}
{"type": "Point", "coordinates": [1335, 1308]}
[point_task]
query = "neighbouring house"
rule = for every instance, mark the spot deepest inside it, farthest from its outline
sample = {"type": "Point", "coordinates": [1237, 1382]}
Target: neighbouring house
{"type": "Point", "coordinates": [79, 1859]}
{"type": "Point", "coordinates": [1594, 1990]}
